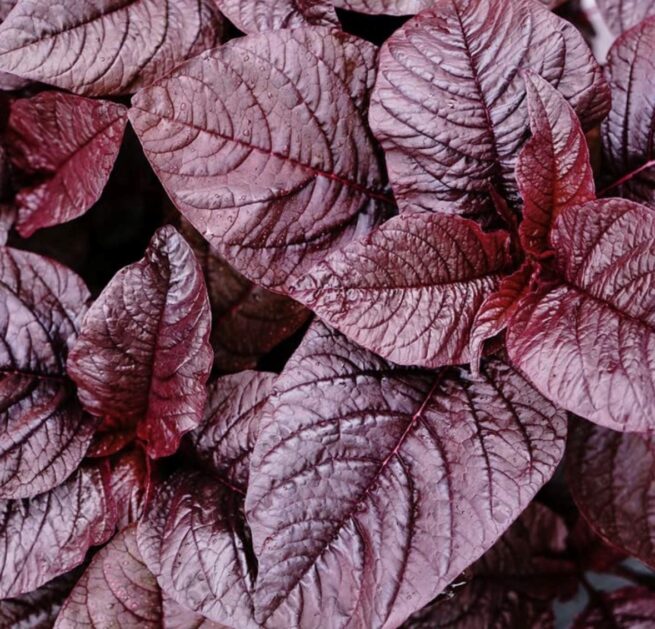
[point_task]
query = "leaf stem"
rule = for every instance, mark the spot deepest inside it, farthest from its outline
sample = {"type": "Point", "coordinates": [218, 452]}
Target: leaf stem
{"type": "Point", "coordinates": [628, 177]}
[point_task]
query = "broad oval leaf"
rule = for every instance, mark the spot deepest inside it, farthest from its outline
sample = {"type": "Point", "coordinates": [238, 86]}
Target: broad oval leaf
{"type": "Point", "coordinates": [627, 133]}
{"type": "Point", "coordinates": [621, 15]}
{"type": "Point", "coordinates": [512, 585]}
{"type": "Point", "coordinates": [272, 168]}
{"type": "Point", "coordinates": [588, 342]}
{"type": "Point", "coordinates": [611, 479]}
{"type": "Point", "coordinates": [105, 46]}
{"type": "Point", "coordinates": [43, 431]}
{"type": "Point", "coordinates": [553, 171]}
{"type": "Point", "coordinates": [143, 354]}
{"type": "Point", "coordinates": [70, 144]}
{"type": "Point", "coordinates": [410, 290]}
{"type": "Point", "coordinates": [448, 102]}
{"type": "Point", "coordinates": [629, 608]}
{"type": "Point", "coordinates": [49, 534]}
{"type": "Point", "coordinates": [396, 479]}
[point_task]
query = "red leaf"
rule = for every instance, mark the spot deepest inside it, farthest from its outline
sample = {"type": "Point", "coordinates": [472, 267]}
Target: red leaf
{"type": "Point", "coordinates": [588, 343]}
{"type": "Point", "coordinates": [611, 479]}
{"type": "Point", "coordinates": [43, 430]}
{"type": "Point", "coordinates": [143, 354]}
{"type": "Point", "coordinates": [621, 15]}
{"type": "Point", "coordinates": [107, 46]}
{"type": "Point", "coordinates": [410, 290]}
{"type": "Point", "coordinates": [273, 169]}
{"type": "Point", "coordinates": [70, 143]}
{"type": "Point", "coordinates": [512, 585]}
{"type": "Point", "coordinates": [395, 479]}
{"type": "Point", "coordinates": [447, 105]}
{"type": "Point", "coordinates": [553, 170]}
{"type": "Point", "coordinates": [130, 485]}
{"type": "Point", "coordinates": [628, 152]}
{"type": "Point", "coordinates": [629, 607]}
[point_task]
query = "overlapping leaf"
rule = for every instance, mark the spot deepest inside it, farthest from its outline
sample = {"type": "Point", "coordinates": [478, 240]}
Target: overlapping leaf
{"type": "Point", "coordinates": [69, 144]}
{"type": "Point", "coordinates": [611, 479]}
{"type": "Point", "coordinates": [43, 431]}
{"type": "Point", "coordinates": [255, 16]}
{"type": "Point", "coordinates": [627, 133]}
{"type": "Point", "coordinates": [411, 289]}
{"type": "Point", "coordinates": [387, 7]}
{"type": "Point", "coordinates": [274, 168]}
{"type": "Point", "coordinates": [143, 354]}
{"type": "Point", "coordinates": [622, 15]}
{"type": "Point", "coordinates": [587, 342]}
{"type": "Point", "coordinates": [395, 479]}
{"type": "Point", "coordinates": [553, 170]}
{"type": "Point", "coordinates": [448, 103]}
{"type": "Point", "coordinates": [514, 584]}
{"type": "Point", "coordinates": [105, 46]}
{"type": "Point", "coordinates": [628, 607]}
{"type": "Point", "coordinates": [50, 534]}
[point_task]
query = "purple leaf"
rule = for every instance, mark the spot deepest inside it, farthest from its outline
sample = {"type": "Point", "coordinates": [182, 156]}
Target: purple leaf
{"type": "Point", "coordinates": [630, 607]}
{"type": "Point", "coordinates": [588, 341]}
{"type": "Point", "coordinates": [106, 46]}
{"type": "Point", "coordinates": [385, 7]}
{"type": "Point", "coordinates": [448, 102]}
{"type": "Point", "coordinates": [512, 585]}
{"type": "Point", "coordinates": [5, 7]}
{"type": "Point", "coordinates": [410, 290]}
{"type": "Point", "coordinates": [553, 170]}
{"type": "Point", "coordinates": [273, 169]}
{"type": "Point", "coordinates": [43, 431]}
{"type": "Point", "coordinates": [621, 15]}
{"type": "Point", "coordinates": [627, 133]}
{"type": "Point", "coordinates": [255, 16]}
{"type": "Point", "coordinates": [395, 479]}
{"type": "Point", "coordinates": [70, 144]}
{"type": "Point", "coordinates": [130, 485]}
{"type": "Point", "coordinates": [178, 617]}
{"type": "Point", "coordinates": [248, 321]}
{"type": "Point", "coordinates": [611, 479]}
{"type": "Point", "coordinates": [49, 534]}
{"type": "Point", "coordinates": [143, 354]}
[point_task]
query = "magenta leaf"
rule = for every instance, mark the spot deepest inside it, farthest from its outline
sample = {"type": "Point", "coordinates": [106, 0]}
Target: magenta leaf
{"type": "Point", "coordinates": [143, 354]}
{"type": "Point", "coordinates": [411, 289]}
{"type": "Point", "coordinates": [448, 103]}
{"type": "Point", "coordinates": [107, 46]}
{"type": "Point", "coordinates": [356, 457]}
{"type": "Point", "coordinates": [69, 144]}
{"type": "Point", "coordinates": [274, 170]}
{"type": "Point", "coordinates": [514, 584]}
{"type": "Point", "coordinates": [194, 536]}
{"type": "Point", "coordinates": [621, 15]}
{"type": "Point", "coordinates": [588, 341]}
{"type": "Point", "coordinates": [630, 607]}
{"type": "Point", "coordinates": [553, 170]}
{"type": "Point", "coordinates": [611, 479]}
{"type": "Point", "coordinates": [248, 321]}
{"type": "Point", "coordinates": [255, 16]}
{"type": "Point", "coordinates": [627, 133]}
{"type": "Point", "coordinates": [43, 431]}
{"type": "Point", "coordinates": [49, 534]}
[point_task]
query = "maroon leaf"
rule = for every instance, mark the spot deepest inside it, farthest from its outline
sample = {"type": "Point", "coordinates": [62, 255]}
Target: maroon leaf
{"type": "Point", "coordinates": [410, 290]}
{"type": "Point", "coordinates": [49, 534]}
{"type": "Point", "coordinates": [497, 310]}
{"type": "Point", "coordinates": [447, 105]}
{"type": "Point", "coordinates": [611, 479]}
{"type": "Point", "coordinates": [395, 479]}
{"type": "Point", "coordinates": [588, 342]}
{"type": "Point", "coordinates": [553, 170]}
{"type": "Point", "coordinates": [621, 15]}
{"type": "Point", "coordinates": [629, 607]}
{"type": "Point", "coordinates": [255, 16]}
{"type": "Point", "coordinates": [273, 169]}
{"type": "Point", "coordinates": [70, 144]}
{"type": "Point", "coordinates": [130, 485]}
{"type": "Point", "coordinates": [627, 133]}
{"type": "Point", "coordinates": [247, 320]}
{"type": "Point", "coordinates": [512, 585]}
{"type": "Point", "coordinates": [387, 7]}
{"type": "Point", "coordinates": [200, 514]}
{"type": "Point", "coordinates": [143, 354]}
{"type": "Point", "coordinates": [178, 617]}
{"type": "Point", "coordinates": [37, 609]}
{"type": "Point", "coordinates": [43, 430]}
{"type": "Point", "coordinates": [107, 46]}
